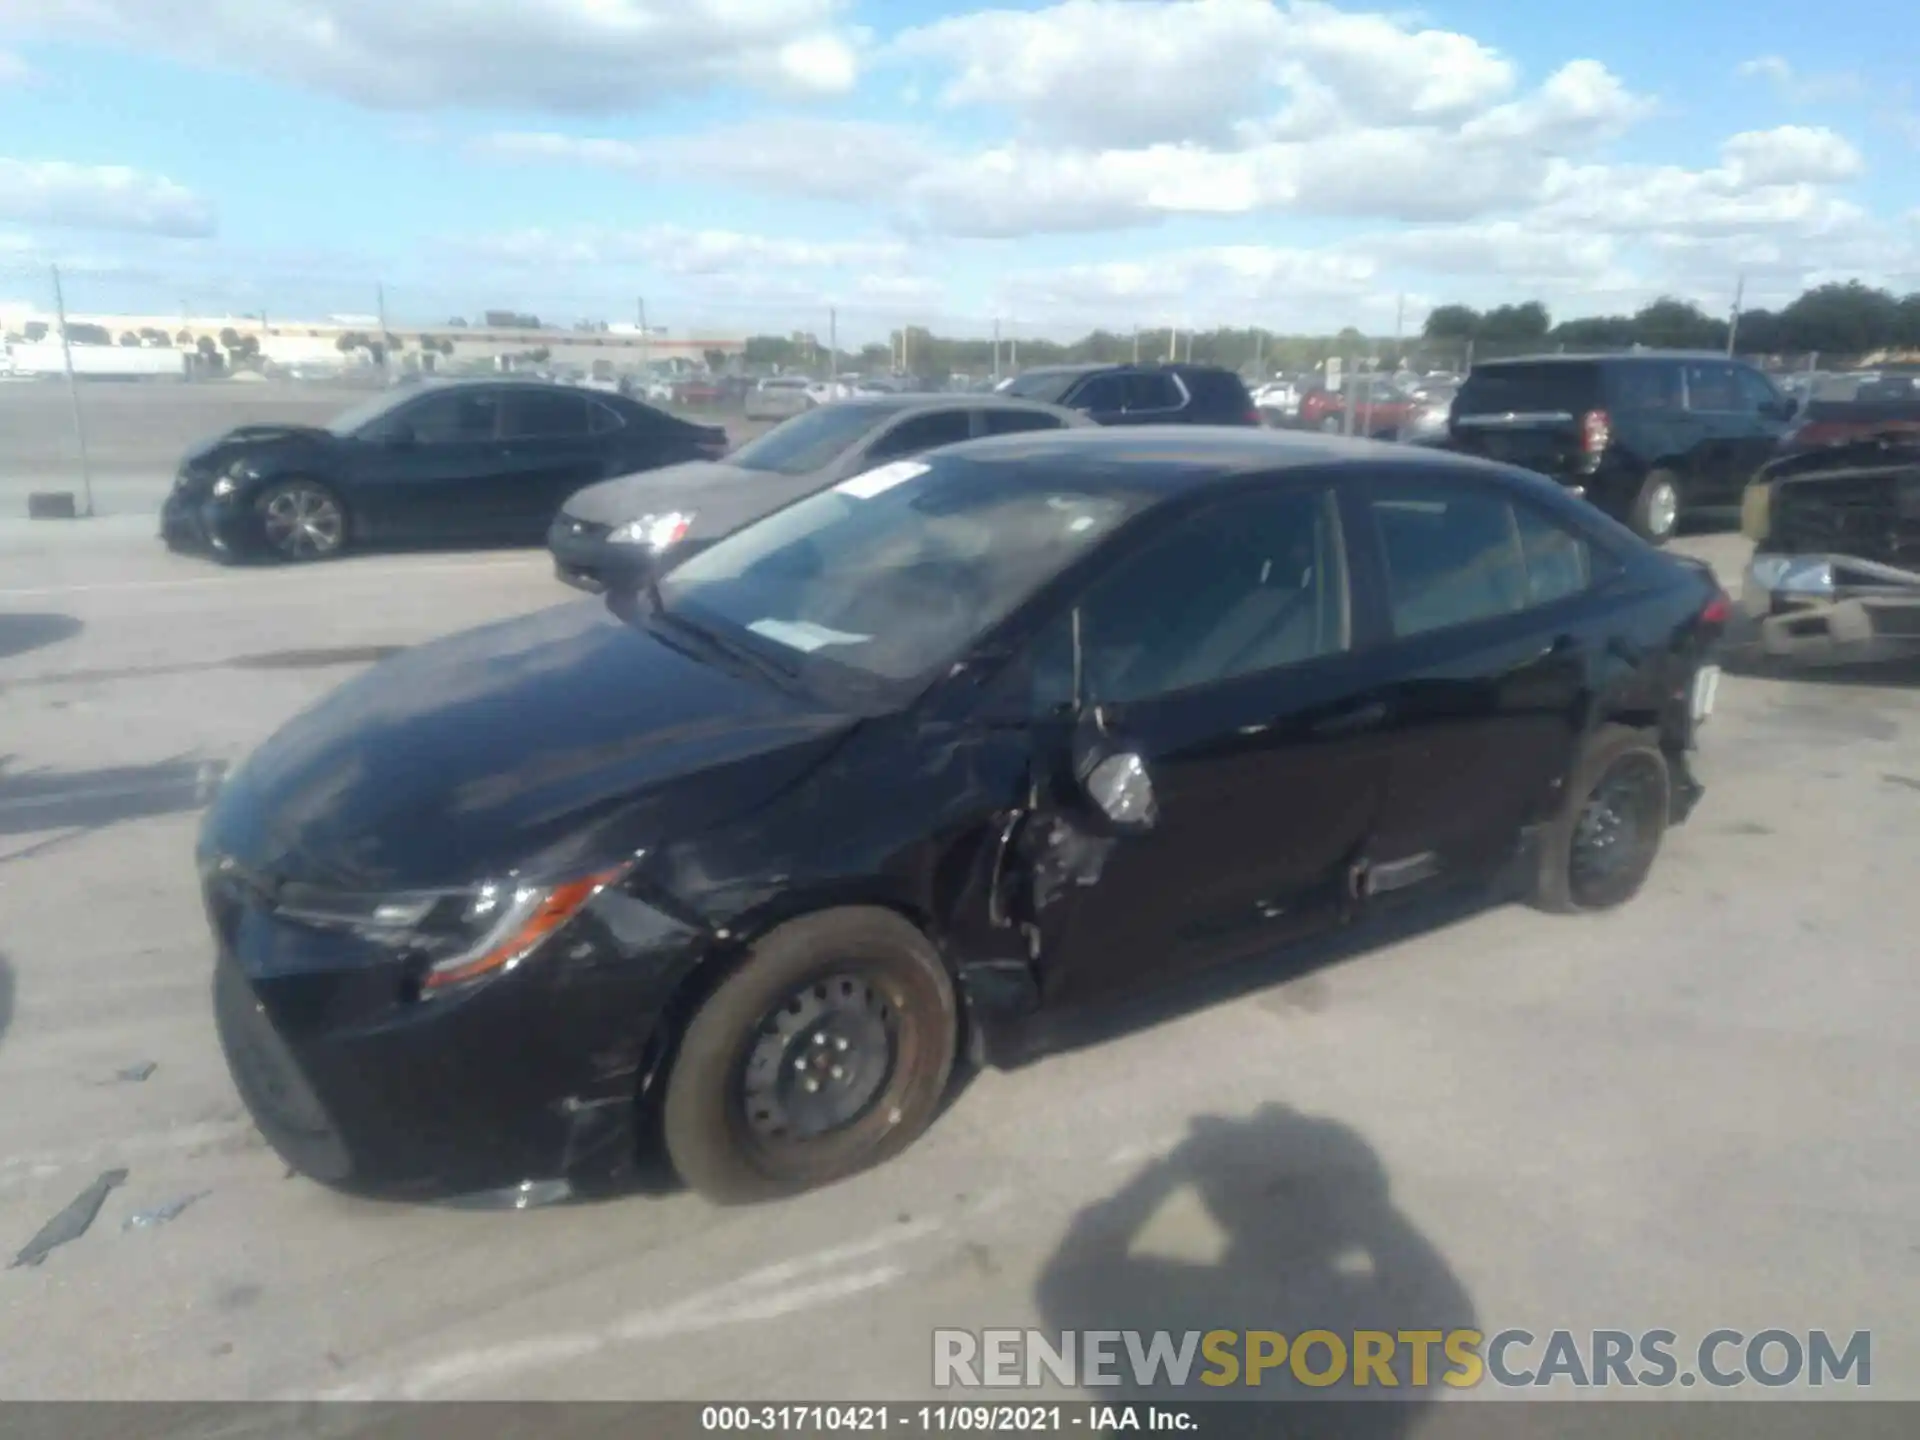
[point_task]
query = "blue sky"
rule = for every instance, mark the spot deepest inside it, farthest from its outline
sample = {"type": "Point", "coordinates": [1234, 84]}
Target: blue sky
{"type": "Point", "coordinates": [747, 164]}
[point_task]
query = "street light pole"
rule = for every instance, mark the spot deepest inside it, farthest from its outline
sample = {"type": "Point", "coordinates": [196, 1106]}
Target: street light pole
{"type": "Point", "coordinates": [73, 394]}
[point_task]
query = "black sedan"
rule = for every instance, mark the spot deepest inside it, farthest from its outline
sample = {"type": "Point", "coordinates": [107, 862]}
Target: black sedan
{"type": "Point", "coordinates": [624, 530]}
{"type": "Point", "coordinates": [451, 462]}
{"type": "Point", "coordinates": [736, 868]}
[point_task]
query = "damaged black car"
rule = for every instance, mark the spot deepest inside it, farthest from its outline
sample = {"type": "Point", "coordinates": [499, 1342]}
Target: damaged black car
{"type": "Point", "coordinates": [1835, 573]}
{"type": "Point", "coordinates": [737, 869]}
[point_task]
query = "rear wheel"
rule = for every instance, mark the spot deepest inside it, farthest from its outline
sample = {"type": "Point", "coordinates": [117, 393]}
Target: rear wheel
{"type": "Point", "coordinates": [827, 1052]}
{"type": "Point", "coordinates": [1600, 849]}
{"type": "Point", "coordinates": [1656, 509]}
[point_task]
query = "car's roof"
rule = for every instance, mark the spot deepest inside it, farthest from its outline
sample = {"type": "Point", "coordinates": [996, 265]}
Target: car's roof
{"type": "Point", "coordinates": [1175, 459]}
{"type": "Point", "coordinates": [1611, 357]}
{"type": "Point", "coordinates": [905, 404]}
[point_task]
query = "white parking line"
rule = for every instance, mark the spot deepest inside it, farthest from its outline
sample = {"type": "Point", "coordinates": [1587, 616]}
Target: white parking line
{"type": "Point", "coordinates": [258, 581]}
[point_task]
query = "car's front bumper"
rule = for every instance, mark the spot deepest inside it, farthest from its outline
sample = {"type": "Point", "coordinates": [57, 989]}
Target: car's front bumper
{"type": "Point", "coordinates": [534, 1074]}
{"type": "Point", "coordinates": [201, 524]}
{"type": "Point", "coordinates": [582, 555]}
{"type": "Point", "coordinates": [1832, 608]}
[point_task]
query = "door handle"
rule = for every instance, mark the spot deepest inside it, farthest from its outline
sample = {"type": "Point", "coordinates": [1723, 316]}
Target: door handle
{"type": "Point", "coordinates": [1364, 716]}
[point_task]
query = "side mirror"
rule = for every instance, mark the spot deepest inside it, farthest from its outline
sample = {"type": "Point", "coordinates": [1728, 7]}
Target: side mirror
{"type": "Point", "coordinates": [1114, 780]}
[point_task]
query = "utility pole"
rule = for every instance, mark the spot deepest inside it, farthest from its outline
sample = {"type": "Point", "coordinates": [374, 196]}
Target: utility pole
{"type": "Point", "coordinates": [1399, 329]}
{"type": "Point", "coordinates": [1259, 353]}
{"type": "Point", "coordinates": [1173, 343]}
{"type": "Point", "coordinates": [646, 340]}
{"type": "Point", "coordinates": [996, 350]}
{"type": "Point", "coordinates": [833, 346]}
{"type": "Point", "coordinates": [1136, 344]}
{"type": "Point", "coordinates": [1733, 322]}
{"type": "Point", "coordinates": [380, 302]}
{"type": "Point", "coordinates": [73, 394]}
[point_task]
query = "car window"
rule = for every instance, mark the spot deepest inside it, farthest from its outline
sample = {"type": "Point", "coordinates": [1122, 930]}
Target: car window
{"type": "Point", "coordinates": [1153, 392]}
{"type": "Point", "coordinates": [1559, 563]}
{"type": "Point", "coordinates": [922, 432]}
{"type": "Point", "coordinates": [1756, 391]}
{"type": "Point", "coordinates": [1548, 386]}
{"type": "Point", "coordinates": [1017, 422]}
{"type": "Point", "coordinates": [544, 415]}
{"type": "Point", "coordinates": [1647, 387]}
{"type": "Point", "coordinates": [1101, 393]}
{"type": "Point", "coordinates": [1248, 585]}
{"type": "Point", "coordinates": [1711, 388]}
{"type": "Point", "coordinates": [464, 415]}
{"type": "Point", "coordinates": [1452, 554]}
{"type": "Point", "coordinates": [811, 440]}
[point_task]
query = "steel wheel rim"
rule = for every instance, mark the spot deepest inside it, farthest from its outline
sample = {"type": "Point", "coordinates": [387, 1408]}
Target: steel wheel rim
{"type": "Point", "coordinates": [1616, 831]}
{"type": "Point", "coordinates": [819, 1062]}
{"type": "Point", "coordinates": [1663, 509]}
{"type": "Point", "coordinates": [302, 522]}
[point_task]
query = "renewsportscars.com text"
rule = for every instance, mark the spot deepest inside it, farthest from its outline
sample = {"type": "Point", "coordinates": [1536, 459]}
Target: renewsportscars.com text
{"type": "Point", "coordinates": [1409, 1359]}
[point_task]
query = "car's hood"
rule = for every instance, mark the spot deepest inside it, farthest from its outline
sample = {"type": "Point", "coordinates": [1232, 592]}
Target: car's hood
{"type": "Point", "coordinates": [627, 497]}
{"type": "Point", "coordinates": [245, 438]}
{"type": "Point", "coordinates": [549, 743]}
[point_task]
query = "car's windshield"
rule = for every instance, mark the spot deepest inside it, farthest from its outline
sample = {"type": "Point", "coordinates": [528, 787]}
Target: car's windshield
{"type": "Point", "coordinates": [807, 442]}
{"type": "Point", "coordinates": [895, 573]}
{"type": "Point", "coordinates": [356, 417]}
{"type": "Point", "coordinates": [1048, 385]}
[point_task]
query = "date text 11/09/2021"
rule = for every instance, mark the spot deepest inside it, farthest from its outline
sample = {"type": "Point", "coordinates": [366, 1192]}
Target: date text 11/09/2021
{"type": "Point", "coordinates": [938, 1419]}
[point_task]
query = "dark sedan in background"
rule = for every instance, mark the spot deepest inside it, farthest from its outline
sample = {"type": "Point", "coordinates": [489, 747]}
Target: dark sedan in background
{"type": "Point", "coordinates": [438, 462]}
{"type": "Point", "coordinates": [623, 530]}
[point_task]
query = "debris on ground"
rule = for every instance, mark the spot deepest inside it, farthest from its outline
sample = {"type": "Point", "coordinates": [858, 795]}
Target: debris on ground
{"type": "Point", "coordinates": [161, 1214]}
{"type": "Point", "coordinates": [132, 1074]}
{"type": "Point", "coordinates": [72, 1222]}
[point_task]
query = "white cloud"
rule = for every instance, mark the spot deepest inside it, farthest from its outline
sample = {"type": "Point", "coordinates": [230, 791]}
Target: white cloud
{"type": "Point", "coordinates": [1804, 89]}
{"type": "Point", "coordinates": [579, 56]}
{"type": "Point", "coordinates": [99, 197]}
{"type": "Point", "coordinates": [13, 69]}
{"type": "Point", "coordinates": [685, 251]}
{"type": "Point", "coordinates": [1133, 73]}
{"type": "Point", "coordinates": [820, 159]}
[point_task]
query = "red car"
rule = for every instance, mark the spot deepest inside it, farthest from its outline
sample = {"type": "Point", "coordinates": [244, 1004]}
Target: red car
{"type": "Point", "coordinates": [1856, 407]}
{"type": "Point", "coordinates": [698, 392]}
{"type": "Point", "coordinates": [1382, 412]}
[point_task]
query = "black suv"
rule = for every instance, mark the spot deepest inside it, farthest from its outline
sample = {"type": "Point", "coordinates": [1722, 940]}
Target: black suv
{"type": "Point", "coordinates": [1141, 394]}
{"type": "Point", "coordinates": [1648, 438]}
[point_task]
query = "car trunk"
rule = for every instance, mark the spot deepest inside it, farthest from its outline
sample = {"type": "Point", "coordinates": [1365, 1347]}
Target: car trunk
{"type": "Point", "coordinates": [1532, 415]}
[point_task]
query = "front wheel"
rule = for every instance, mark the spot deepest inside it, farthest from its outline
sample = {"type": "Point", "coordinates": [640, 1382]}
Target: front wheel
{"type": "Point", "coordinates": [1599, 850]}
{"type": "Point", "coordinates": [302, 520]}
{"type": "Point", "coordinates": [825, 1053]}
{"type": "Point", "coordinates": [1332, 425]}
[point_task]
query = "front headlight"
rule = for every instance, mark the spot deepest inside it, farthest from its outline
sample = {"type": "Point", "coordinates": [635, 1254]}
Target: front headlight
{"type": "Point", "coordinates": [461, 935]}
{"type": "Point", "coordinates": [655, 532]}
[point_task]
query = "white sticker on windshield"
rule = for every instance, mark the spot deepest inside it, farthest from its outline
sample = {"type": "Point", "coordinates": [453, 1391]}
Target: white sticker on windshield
{"type": "Point", "coordinates": [874, 482]}
{"type": "Point", "coordinates": [804, 635]}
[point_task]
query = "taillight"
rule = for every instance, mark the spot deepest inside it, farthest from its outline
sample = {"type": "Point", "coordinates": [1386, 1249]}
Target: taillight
{"type": "Point", "coordinates": [1718, 610]}
{"type": "Point", "coordinates": [1254, 417]}
{"type": "Point", "coordinates": [1595, 431]}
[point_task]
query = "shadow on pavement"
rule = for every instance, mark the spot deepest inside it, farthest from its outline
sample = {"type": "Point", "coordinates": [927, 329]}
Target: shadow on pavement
{"type": "Point", "coordinates": [22, 633]}
{"type": "Point", "coordinates": [1278, 1222]}
{"type": "Point", "coordinates": [1749, 662]}
{"type": "Point", "coordinates": [36, 801]}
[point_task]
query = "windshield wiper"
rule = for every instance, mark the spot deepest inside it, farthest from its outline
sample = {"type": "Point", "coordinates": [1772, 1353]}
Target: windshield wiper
{"type": "Point", "coordinates": [717, 643]}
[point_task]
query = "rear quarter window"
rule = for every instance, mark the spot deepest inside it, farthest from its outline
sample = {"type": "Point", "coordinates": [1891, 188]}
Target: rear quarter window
{"type": "Point", "coordinates": [1528, 389]}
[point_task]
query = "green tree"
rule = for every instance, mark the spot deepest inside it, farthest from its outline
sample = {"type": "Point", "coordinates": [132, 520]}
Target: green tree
{"type": "Point", "coordinates": [1454, 324]}
{"type": "Point", "coordinates": [1670, 324]}
{"type": "Point", "coordinates": [1848, 319]}
{"type": "Point", "coordinates": [1508, 324]}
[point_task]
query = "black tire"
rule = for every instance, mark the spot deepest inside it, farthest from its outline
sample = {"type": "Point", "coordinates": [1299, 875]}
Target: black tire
{"type": "Point", "coordinates": [282, 1105]}
{"type": "Point", "coordinates": [326, 539]}
{"type": "Point", "coordinates": [1567, 883]}
{"type": "Point", "coordinates": [709, 1137]}
{"type": "Point", "coordinates": [1655, 513]}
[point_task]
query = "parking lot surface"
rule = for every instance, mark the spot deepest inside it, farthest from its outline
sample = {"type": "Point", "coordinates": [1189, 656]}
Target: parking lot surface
{"type": "Point", "coordinates": [1695, 1112]}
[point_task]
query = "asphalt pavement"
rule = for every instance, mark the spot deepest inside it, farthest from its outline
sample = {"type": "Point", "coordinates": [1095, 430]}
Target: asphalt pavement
{"type": "Point", "coordinates": [1696, 1112]}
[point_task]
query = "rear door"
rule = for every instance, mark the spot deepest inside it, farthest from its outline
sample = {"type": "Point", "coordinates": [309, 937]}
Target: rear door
{"type": "Point", "coordinates": [1724, 433]}
{"type": "Point", "coordinates": [553, 452]}
{"type": "Point", "coordinates": [1101, 397]}
{"type": "Point", "coordinates": [437, 468]}
{"type": "Point", "coordinates": [920, 431]}
{"type": "Point", "coordinates": [1488, 621]}
{"type": "Point", "coordinates": [1528, 413]}
{"type": "Point", "coordinates": [1153, 397]}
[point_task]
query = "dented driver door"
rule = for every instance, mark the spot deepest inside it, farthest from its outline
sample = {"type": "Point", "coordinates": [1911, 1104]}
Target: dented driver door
{"type": "Point", "coordinates": [1267, 788]}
